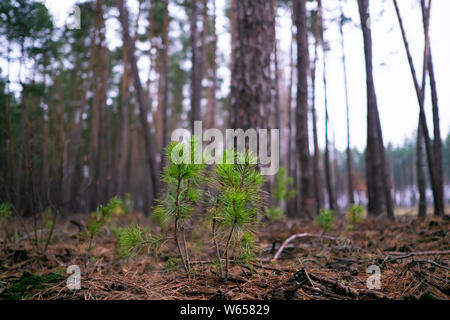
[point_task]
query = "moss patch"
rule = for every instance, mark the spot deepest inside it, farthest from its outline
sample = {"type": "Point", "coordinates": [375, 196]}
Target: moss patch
{"type": "Point", "coordinates": [29, 283]}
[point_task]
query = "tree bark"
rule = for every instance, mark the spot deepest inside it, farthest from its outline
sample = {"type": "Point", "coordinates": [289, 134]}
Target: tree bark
{"type": "Point", "coordinates": [197, 59]}
{"type": "Point", "coordinates": [376, 175]}
{"type": "Point", "coordinates": [141, 99]}
{"type": "Point", "coordinates": [437, 142]}
{"type": "Point", "coordinates": [250, 78]}
{"type": "Point", "coordinates": [318, 177]}
{"type": "Point", "coordinates": [437, 197]}
{"type": "Point", "coordinates": [306, 182]}
{"type": "Point", "coordinates": [351, 195]}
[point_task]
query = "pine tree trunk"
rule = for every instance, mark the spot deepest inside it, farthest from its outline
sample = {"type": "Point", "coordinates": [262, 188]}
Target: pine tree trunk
{"type": "Point", "coordinates": [250, 77]}
{"type": "Point", "coordinates": [351, 195]}
{"type": "Point", "coordinates": [437, 142]}
{"type": "Point", "coordinates": [318, 178]}
{"type": "Point", "coordinates": [211, 106]}
{"type": "Point", "coordinates": [197, 63]}
{"type": "Point", "coordinates": [306, 182]}
{"type": "Point", "coordinates": [421, 179]}
{"type": "Point", "coordinates": [376, 175]}
{"type": "Point", "coordinates": [141, 99]}
{"type": "Point", "coordinates": [437, 196]}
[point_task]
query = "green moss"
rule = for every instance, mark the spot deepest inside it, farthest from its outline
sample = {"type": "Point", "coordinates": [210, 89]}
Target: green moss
{"type": "Point", "coordinates": [29, 282]}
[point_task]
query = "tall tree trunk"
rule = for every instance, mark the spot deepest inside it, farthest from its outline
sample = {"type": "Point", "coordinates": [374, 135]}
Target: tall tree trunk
{"type": "Point", "coordinates": [437, 196]}
{"type": "Point", "coordinates": [123, 142]}
{"type": "Point", "coordinates": [306, 183]}
{"type": "Point", "coordinates": [197, 62]}
{"type": "Point", "coordinates": [211, 106]}
{"type": "Point", "coordinates": [250, 77]}
{"type": "Point", "coordinates": [351, 195]}
{"type": "Point", "coordinates": [437, 142]}
{"type": "Point", "coordinates": [164, 83]}
{"type": "Point", "coordinates": [328, 171]}
{"type": "Point", "coordinates": [376, 175]}
{"type": "Point", "coordinates": [71, 152]}
{"type": "Point", "coordinates": [421, 179]}
{"type": "Point", "coordinates": [97, 137]}
{"type": "Point", "coordinates": [141, 99]}
{"type": "Point", "coordinates": [10, 173]}
{"type": "Point", "coordinates": [277, 110]}
{"type": "Point", "coordinates": [318, 178]}
{"type": "Point", "coordinates": [292, 159]}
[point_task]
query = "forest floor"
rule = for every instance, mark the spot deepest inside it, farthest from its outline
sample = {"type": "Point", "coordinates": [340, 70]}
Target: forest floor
{"type": "Point", "coordinates": [412, 256]}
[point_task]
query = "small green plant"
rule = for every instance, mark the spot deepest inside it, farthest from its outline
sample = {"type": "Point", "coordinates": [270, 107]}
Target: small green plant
{"type": "Point", "coordinates": [5, 211]}
{"type": "Point", "coordinates": [325, 219]}
{"type": "Point", "coordinates": [5, 217]}
{"type": "Point", "coordinates": [183, 181]}
{"type": "Point", "coordinates": [128, 204]}
{"type": "Point", "coordinates": [101, 218]}
{"type": "Point", "coordinates": [275, 213]}
{"type": "Point", "coordinates": [282, 185]}
{"type": "Point", "coordinates": [49, 221]}
{"type": "Point", "coordinates": [171, 263]}
{"type": "Point", "coordinates": [354, 216]}
{"type": "Point", "coordinates": [233, 198]}
{"type": "Point", "coordinates": [237, 205]}
{"type": "Point", "coordinates": [282, 193]}
{"type": "Point", "coordinates": [135, 240]}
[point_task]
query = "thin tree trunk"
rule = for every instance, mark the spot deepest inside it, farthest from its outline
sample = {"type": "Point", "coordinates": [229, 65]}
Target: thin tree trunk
{"type": "Point", "coordinates": [328, 172]}
{"type": "Point", "coordinates": [197, 63]}
{"type": "Point", "coordinates": [437, 142]}
{"type": "Point", "coordinates": [141, 99]}
{"type": "Point", "coordinates": [306, 183]}
{"type": "Point", "coordinates": [318, 178]}
{"type": "Point", "coordinates": [421, 179]}
{"type": "Point", "coordinates": [437, 197]}
{"type": "Point", "coordinates": [71, 152]}
{"type": "Point", "coordinates": [122, 147]}
{"type": "Point", "coordinates": [376, 175]}
{"type": "Point", "coordinates": [164, 83]}
{"type": "Point", "coordinates": [211, 106]}
{"type": "Point", "coordinates": [291, 207]}
{"type": "Point", "coordinates": [351, 195]}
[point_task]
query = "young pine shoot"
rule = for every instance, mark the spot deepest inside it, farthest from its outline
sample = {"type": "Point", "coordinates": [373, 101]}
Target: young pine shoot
{"type": "Point", "coordinates": [135, 241]}
{"type": "Point", "coordinates": [101, 218]}
{"type": "Point", "coordinates": [325, 219]}
{"type": "Point", "coordinates": [239, 201]}
{"type": "Point", "coordinates": [183, 179]}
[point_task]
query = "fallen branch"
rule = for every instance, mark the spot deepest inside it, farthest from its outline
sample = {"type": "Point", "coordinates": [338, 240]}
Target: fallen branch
{"type": "Point", "coordinates": [419, 253]}
{"type": "Point", "coordinates": [413, 254]}
{"type": "Point", "coordinates": [433, 263]}
{"type": "Point", "coordinates": [301, 235]}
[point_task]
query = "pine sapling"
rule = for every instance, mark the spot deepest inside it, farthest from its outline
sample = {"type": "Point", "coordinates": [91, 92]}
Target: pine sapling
{"type": "Point", "coordinates": [183, 179]}
{"type": "Point", "coordinates": [135, 240]}
{"type": "Point", "coordinates": [239, 201]}
{"type": "Point", "coordinates": [101, 218]}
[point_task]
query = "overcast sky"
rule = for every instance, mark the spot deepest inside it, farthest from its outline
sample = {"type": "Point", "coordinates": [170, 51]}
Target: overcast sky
{"type": "Point", "coordinates": [397, 101]}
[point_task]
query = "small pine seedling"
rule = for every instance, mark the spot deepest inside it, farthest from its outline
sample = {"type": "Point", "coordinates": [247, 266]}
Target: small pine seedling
{"type": "Point", "coordinates": [325, 219]}
{"type": "Point", "coordinates": [239, 201]}
{"type": "Point", "coordinates": [135, 240]}
{"type": "Point", "coordinates": [183, 192]}
{"type": "Point", "coordinates": [101, 218]}
{"type": "Point", "coordinates": [6, 213]}
{"type": "Point", "coordinates": [282, 193]}
{"type": "Point", "coordinates": [354, 216]}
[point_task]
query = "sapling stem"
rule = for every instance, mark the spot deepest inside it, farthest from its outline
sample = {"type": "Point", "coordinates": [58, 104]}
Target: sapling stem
{"type": "Point", "coordinates": [216, 244]}
{"type": "Point", "coordinates": [179, 246]}
{"type": "Point", "coordinates": [226, 249]}
{"type": "Point", "coordinates": [186, 253]}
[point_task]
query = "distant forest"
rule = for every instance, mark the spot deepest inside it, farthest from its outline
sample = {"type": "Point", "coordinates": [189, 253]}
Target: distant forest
{"type": "Point", "coordinates": [82, 124]}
